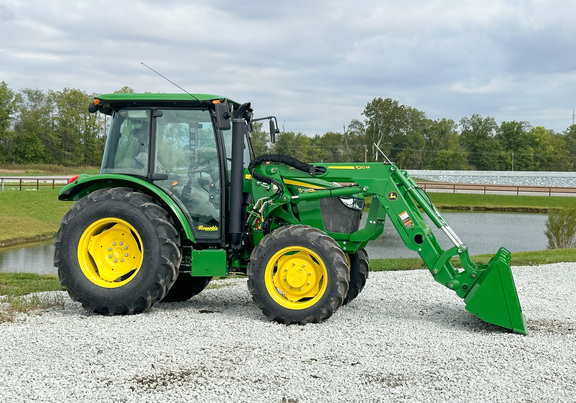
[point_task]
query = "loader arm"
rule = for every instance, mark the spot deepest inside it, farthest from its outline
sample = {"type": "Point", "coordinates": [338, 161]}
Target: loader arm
{"type": "Point", "coordinates": [488, 290]}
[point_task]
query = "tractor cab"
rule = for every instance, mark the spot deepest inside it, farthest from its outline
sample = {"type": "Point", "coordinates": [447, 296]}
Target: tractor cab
{"type": "Point", "coordinates": [182, 147]}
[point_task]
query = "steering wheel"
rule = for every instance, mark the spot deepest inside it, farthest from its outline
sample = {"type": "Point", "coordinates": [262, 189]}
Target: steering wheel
{"type": "Point", "coordinates": [203, 171]}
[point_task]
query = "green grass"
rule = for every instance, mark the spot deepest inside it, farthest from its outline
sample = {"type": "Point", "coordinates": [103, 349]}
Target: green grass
{"type": "Point", "coordinates": [30, 215]}
{"type": "Point", "coordinates": [14, 290]}
{"type": "Point", "coordinates": [500, 202]}
{"type": "Point", "coordinates": [44, 169]}
{"type": "Point", "coordinates": [18, 284]}
{"type": "Point", "coordinates": [534, 258]}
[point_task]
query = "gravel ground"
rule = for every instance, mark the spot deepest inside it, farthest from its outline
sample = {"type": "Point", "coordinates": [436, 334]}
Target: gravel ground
{"type": "Point", "coordinates": [405, 338]}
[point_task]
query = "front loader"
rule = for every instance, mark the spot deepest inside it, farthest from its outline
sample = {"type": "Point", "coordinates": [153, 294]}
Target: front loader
{"type": "Point", "coordinates": [181, 198]}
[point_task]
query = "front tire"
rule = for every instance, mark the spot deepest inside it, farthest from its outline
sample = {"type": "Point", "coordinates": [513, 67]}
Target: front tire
{"type": "Point", "coordinates": [117, 252]}
{"type": "Point", "coordinates": [359, 266]}
{"type": "Point", "coordinates": [298, 274]}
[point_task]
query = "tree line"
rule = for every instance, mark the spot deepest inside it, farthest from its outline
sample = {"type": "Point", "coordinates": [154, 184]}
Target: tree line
{"type": "Point", "coordinates": [49, 127]}
{"type": "Point", "coordinates": [407, 137]}
{"type": "Point", "coordinates": [55, 127]}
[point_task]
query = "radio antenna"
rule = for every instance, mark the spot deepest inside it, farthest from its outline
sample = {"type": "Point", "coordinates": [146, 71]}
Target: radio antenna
{"type": "Point", "coordinates": [170, 81]}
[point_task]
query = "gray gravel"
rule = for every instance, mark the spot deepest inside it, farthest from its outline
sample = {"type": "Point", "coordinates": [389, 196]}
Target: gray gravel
{"type": "Point", "coordinates": [405, 338]}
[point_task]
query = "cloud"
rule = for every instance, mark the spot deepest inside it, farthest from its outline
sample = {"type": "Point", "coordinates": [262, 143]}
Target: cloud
{"type": "Point", "coordinates": [313, 64]}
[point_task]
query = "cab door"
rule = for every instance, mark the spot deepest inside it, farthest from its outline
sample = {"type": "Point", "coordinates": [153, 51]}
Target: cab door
{"type": "Point", "coordinates": [188, 153]}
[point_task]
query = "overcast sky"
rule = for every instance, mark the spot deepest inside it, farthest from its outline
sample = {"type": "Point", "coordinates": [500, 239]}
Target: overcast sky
{"type": "Point", "coordinates": [313, 64]}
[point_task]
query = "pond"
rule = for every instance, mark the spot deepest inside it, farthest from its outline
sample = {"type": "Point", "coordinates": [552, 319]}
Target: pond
{"type": "Point", "coordinates": [482, 232]}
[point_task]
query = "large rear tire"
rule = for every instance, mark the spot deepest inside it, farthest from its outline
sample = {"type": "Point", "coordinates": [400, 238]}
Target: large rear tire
{"type": "Point", "coordinates": [298, 274]}
{"type": "Point", "coordinates": [117, 252]}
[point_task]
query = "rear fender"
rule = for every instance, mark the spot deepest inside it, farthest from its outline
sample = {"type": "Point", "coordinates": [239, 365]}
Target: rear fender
{"type": "Point", "coordinates": [86, 184]}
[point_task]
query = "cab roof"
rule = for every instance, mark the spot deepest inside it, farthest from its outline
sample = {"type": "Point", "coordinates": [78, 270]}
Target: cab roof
{"type": "Point", "coordinates": [107, 103]}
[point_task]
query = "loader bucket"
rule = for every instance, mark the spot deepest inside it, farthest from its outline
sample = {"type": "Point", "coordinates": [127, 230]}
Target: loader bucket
{"type": "Point", "coordinates": [493, 298]}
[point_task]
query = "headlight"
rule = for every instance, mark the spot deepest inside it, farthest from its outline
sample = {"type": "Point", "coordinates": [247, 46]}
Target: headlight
{"type": "Point", "coordinates": [353, 203]}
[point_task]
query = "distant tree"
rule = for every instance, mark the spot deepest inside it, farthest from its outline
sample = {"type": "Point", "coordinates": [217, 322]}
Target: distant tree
{"type": "Point", "coordinates": [33, 127]}
{"type": "Point", "coordinates": [8, 104]}
{"type": "Point", "coordinates": [443, 149]}
{"type": "Point", "coordinates": [293, 145]}
{"type": "Point", "coordinates": [549, 150]}
{"type": "Point", "coordinates": [570, 140]}
{"type": "Point", "coordinates": [514, 139]}
{"type": "Point", "coordinates": [355, 142]}
{"type": "Point", "coordinates": [395, 129]}
{"type": "Point", "coordinates": [512, 135]}
{"type": "Point", "coordinates": [77, 129]}
{"type": "Point", "coordinates": [478, 137]}
{"type": "Point", "coordinates": [259, 139]}
{"type": "Point", "coordinates": [410, 154]}
{"type": "Point", "coordinates": [384, 120]}
{"type": "Point", "coordinates": [327, 148]}
{"type": "Point", "coordinates": [124, 90]}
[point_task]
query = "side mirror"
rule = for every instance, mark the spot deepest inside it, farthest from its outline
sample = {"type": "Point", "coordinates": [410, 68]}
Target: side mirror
{"type": "Point", "coordinates": [273, 131]}
{"type": "Point", "coordinates": [222, 116]}
{"type": "Point", "coordinates": [273, 127]}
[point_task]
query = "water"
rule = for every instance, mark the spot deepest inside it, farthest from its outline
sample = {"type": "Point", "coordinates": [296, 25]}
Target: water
{"type": "Point", "coordinates": [482, 232]}
{"type": "Point", "coordinates": [30, 258]}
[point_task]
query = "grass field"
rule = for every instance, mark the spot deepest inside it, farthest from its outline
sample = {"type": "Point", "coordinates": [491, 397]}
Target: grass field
{"type": "Point", "coordinates": [500, 202]}
{"type": "Point", "coordinates": [30, 215]}
{"type": "Point", "coordinates": [44, 169]}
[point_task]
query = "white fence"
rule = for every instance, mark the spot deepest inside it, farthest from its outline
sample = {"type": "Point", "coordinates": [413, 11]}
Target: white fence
{"type": "Point", "coordinates": [22, 182]}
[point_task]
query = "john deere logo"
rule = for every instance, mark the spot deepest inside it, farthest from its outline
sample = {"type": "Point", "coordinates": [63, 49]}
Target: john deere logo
{"type": "Point", "coordinates": [392, 196]}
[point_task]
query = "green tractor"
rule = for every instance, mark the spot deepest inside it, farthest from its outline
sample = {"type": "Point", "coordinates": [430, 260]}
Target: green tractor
{"type": "Point", "coordinates": [181, 198]}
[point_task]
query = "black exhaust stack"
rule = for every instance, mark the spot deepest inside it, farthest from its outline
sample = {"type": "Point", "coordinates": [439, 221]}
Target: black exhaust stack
{"type": "Point", "coordinates": [239, 129]}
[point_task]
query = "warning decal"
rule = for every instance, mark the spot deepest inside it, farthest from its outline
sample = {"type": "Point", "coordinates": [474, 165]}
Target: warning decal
{"type": "Point", "coordinates": [406, 220]}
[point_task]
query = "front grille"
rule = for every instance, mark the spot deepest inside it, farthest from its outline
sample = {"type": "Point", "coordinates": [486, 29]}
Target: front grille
{"type": "Point", "coordinates": [339, 218]}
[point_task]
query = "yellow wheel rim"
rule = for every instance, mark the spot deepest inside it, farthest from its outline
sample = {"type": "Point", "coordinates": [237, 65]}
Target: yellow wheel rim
{"type": "Point", "coordinates": [110, 252]}
{"type": "Point", "coordinates": [296, 277]}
